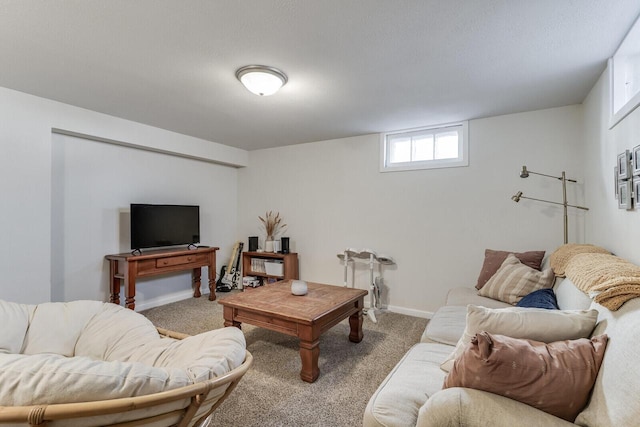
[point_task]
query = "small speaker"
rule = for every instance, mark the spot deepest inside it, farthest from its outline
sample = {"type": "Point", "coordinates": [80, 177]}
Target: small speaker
{"type": "Point", "coordinates": [253, 244]}
{"type": "Point", "coordinates": [284, 243]}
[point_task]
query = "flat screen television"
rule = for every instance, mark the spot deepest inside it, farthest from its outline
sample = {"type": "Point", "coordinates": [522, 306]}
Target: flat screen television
{"type": "Point", "coordinates": [155, 226]}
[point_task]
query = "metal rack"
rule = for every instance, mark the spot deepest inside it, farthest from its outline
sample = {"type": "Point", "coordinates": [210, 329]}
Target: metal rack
{"type": "Point", "coordinates": [353, 255]}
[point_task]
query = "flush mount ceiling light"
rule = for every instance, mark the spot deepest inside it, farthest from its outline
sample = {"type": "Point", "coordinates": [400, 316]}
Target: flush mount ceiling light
{"type": "Point", "coordinates": [261, 80]}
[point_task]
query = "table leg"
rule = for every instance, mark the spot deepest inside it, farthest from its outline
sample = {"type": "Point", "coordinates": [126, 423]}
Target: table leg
{"type": "Point", "coordinates": [114, 282]}
{"type": "Point", "coordinates": [227, 313]}
{"type": "Point", "coordinates": [355, 324]}
{"type": "Point", "coordinates": [232, 323]}
{"type": "Point", "coordinates": [130, 284]}
{"type": "Point", "coordinates": [212, 277]}
{"type": "Point", "coordinates": [309, 353]}
{"type": "Point", "coordinates": [195, 276]}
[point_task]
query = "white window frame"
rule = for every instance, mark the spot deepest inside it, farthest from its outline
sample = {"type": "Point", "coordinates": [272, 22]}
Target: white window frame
{"type": "Point", "coordinates": [463, 149]}
{"type": "Point", "coordinates": [624, 81]}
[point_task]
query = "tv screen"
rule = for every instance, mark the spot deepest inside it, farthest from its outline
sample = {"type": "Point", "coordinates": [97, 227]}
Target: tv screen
{"type": "Point", "coordinates": [164, 225]}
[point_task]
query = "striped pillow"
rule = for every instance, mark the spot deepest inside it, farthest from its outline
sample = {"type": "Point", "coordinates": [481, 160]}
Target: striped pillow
{"type": "Point", "coordinates": [514, 280]}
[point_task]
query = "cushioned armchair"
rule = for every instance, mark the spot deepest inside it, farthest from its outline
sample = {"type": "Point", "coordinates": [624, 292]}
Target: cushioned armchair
{"type": "Point", "coordinates": [88, 363]}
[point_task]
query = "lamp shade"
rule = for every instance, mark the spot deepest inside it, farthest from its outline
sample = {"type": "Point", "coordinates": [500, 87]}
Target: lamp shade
{"type": "Point", "coordinates": [261, 80]}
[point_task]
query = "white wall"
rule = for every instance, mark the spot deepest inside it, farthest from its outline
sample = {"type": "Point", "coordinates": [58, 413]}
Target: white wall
{"type": "Point", "coordinates": [26, 169]}
{"type": "Point", "coordinates": [94, 183]}
{"type": "Point", "coordinates": [435, 223]}
{"type": "Point", "coordinates": [615, 229]}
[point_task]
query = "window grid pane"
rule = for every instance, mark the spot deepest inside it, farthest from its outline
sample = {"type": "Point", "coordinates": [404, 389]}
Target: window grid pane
{"type": "Point", "coordinates": [446, 146]}
{"type": "Point", "coordinates": [422, 148]}
{"type": "Point", "coordinates": [400, 150]}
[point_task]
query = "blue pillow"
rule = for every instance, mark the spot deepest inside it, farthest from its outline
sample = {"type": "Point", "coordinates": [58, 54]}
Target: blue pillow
{"type": "Point", "coordinates": [542, 298]}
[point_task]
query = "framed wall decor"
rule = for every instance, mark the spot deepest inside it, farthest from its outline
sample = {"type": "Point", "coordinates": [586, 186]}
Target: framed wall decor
{"type": "Point", "coordinates": [624, 194]}
{"type": "Point", "coordinates": [636, 191]}
{"type": "Point", "coordinates": [635, 160]}
{"type": "Point", "coordinates": [624, 171]}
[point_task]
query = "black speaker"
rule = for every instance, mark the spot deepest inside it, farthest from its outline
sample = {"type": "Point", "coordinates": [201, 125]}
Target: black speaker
{"type": "Point", "coordinates": [253, 244]}
{"type": "Point", "coordinates": [284, 243]}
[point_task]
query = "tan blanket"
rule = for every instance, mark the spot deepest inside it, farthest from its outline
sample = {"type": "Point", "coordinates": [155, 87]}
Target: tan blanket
{"type": "Point", "coordinates": [559, 259]}
{"type": "Point", "coordinates": [610, 280]}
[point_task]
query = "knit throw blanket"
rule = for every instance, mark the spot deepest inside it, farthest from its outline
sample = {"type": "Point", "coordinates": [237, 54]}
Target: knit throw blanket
{"type": "Point", "coordinates": [561, 256]}
{"type": "Point", "coordinates": [610, 280]}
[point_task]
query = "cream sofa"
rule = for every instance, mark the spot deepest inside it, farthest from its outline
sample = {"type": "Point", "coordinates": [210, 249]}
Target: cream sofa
{"type": "Point", "coordinates": [412, 394]}
{"type": "Point", "coordinates": [88, 363]}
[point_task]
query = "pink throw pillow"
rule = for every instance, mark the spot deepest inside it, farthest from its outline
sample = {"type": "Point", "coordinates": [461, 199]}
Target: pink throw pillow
{"type": "Point", "coordinates": [556, 378]}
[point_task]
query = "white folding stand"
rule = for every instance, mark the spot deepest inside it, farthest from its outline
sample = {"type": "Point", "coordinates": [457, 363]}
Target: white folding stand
{"type": "Point", "coordinates": [350, 255]}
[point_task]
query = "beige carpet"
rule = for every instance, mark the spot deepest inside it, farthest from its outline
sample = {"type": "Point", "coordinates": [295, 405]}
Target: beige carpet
{"type": "Point", "coordinates": [272, 393]}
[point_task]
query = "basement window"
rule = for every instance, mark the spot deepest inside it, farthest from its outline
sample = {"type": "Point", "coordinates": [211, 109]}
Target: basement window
{"type": "Point", "coordinates": [441, 146]}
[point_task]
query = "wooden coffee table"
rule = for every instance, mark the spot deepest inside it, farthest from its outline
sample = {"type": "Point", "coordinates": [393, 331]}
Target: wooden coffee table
{"type": "Point", "coordinates": [306, 317]}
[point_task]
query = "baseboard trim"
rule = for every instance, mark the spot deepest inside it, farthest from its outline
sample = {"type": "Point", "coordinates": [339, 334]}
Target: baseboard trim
{"type": "Point", "coordinates": [410, 312]}
{"type": "Point", "coordinates": [167, 299]}
{"type": "Point", "coordinates": [182, 295]}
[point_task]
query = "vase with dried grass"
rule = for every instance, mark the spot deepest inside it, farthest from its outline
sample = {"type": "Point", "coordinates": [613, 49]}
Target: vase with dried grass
{"type": "Point", "coordinates": [272, 223]}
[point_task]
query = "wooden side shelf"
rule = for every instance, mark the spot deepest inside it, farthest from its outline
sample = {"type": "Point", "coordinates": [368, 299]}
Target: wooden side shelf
{"type": "Point", "coordinates": [289, 270]}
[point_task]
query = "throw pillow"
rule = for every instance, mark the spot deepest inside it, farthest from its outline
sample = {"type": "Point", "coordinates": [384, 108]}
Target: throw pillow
{"type": "Point", "coordinates": [494, 259]}
{"type": "Point", "coordinates": [530, 323]}
{"type": "Point", "coordinates": [542, 298]}
{"type": "Point", "coordinates": [514, 280]}
{"type": "Point", "coordinates": [556, 378]}
{"type": "Point", "coordinates": [14, 319]}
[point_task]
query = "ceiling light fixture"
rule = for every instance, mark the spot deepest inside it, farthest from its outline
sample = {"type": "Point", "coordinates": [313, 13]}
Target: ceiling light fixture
{"type": "Point", "coordinates": [261, 80]}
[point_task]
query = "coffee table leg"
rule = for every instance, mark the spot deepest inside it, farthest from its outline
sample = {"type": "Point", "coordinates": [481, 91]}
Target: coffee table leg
{"type": "Point", "coordinates": [232, 323]}
{"type": "Point", "coordinates": [309, 352]}
{"type": "Point", "coordinates": [227, 313]}
{"type": "Point", "coordinates": [355, 323]}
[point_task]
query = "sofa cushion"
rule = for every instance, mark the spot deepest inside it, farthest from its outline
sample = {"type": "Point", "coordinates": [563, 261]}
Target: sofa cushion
{"type": "Point", "coordinates": [56, 326]}
{"type": "Point", "coordinates": [465, 296]}
{"type": "Point", "coordinates": [412, 381]}
{"type": "Point", "coordinates": [53, 378]}
{"type": "Point", "coordinates": [530, 323]}
{"type": "Point", "coordinates": [446, 326]}
{"type": "Point", "coordinates": [514, 280]}
{"type": "Point", "coordinates": [614, 399]}
{"type": "Point", "coordinates": [556, 378]}
{"type": "Point", "coordinates": [104, 336]}
{"type": "Point", "coordinates": [458, 406]}
{"type": "Point", "coordinates": [569, 296]}
{"type": "Point", "coordinates": [14, 319]}
{"type": "Point", "coordinates": [542, 298]}
{"type": "Point", "coordinates": [203, 356]}
{"type": "Point", "coordinates": [494, 259]}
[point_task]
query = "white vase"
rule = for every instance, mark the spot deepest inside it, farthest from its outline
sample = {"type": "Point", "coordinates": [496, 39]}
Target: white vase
{"type": "Point", "coordinates": [268, 246]}
{"type": "Point", "coordinates": [298, 287]}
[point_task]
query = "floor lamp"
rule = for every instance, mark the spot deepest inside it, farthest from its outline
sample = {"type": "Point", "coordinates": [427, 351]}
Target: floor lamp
{"type": "Point", "coordinates": [525, 174]}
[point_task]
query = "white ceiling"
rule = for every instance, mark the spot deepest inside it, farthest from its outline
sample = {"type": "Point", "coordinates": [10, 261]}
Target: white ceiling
{"type": "Point", "coordinates": [354, 66]}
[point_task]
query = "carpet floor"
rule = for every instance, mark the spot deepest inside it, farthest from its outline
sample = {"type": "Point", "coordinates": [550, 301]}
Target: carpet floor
{"type": "Point", "coordinates": [272, 394]}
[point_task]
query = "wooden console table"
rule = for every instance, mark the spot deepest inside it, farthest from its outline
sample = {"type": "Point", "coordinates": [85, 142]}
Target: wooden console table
{"type": "Point", "coordinates": [125, 268]}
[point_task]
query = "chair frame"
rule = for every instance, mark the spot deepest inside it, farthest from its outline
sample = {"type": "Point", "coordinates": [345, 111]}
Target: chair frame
{"type": "Point", "coordinates": [40, 415]}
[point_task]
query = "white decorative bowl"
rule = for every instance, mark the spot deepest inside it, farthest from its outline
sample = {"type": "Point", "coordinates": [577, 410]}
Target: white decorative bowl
{"type": "Point", "coordinates": [298, 287]}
